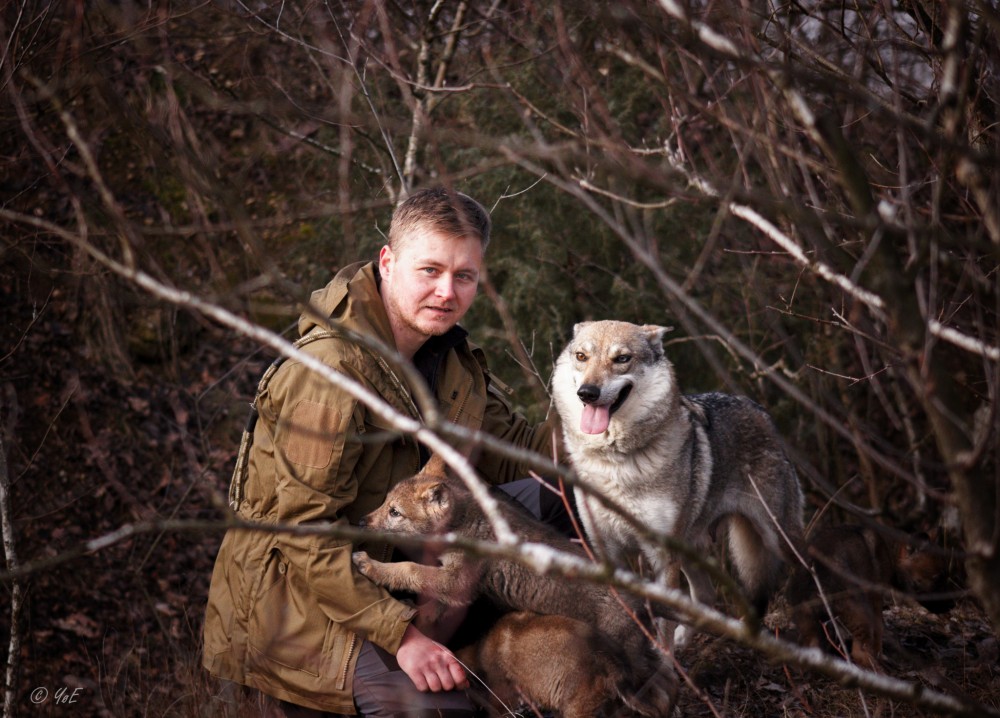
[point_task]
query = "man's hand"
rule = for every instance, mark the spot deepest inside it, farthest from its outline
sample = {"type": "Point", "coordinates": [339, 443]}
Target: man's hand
{"type": "Point", "coordinates": [430, 666]}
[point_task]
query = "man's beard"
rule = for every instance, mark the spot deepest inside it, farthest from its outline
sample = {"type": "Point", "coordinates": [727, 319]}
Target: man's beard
{"type": "Point", "coordinates": [410, 322]}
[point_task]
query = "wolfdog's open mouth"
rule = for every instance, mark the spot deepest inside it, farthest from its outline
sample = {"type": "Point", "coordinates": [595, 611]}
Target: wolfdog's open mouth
{"type": "Point", "coordinates": [595, 418]}
{"type": "Point", "coordinates": [622, 396]}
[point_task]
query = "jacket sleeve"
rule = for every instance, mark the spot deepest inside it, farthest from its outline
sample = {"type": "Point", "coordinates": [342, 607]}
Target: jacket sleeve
{"type": "Point", "coordinates": [317, 450]}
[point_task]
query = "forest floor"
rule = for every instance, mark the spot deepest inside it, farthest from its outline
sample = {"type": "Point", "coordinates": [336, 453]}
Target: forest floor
{"type": "Point", "coordinates": [116, 632]}
{"type": "Point", "coordinates": [954, 653]}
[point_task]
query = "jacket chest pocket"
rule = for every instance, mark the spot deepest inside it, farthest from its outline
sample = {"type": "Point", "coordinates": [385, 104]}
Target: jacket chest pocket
{"type": "Point", "coordinates": [464, 407]}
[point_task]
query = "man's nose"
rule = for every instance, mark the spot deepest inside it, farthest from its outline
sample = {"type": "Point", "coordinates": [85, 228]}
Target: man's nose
{"type": "Point", "coordinates": [445, 288]}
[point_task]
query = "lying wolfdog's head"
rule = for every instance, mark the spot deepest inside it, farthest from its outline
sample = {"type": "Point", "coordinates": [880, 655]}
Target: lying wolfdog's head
{"type": "Point", "coordinates": [420, 504]}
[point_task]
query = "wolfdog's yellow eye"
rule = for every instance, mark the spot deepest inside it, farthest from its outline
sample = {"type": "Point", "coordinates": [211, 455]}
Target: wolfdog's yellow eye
{"type": "Point", "coordinates": [580, 356]}
{"type": "Point", "coordinates": [623, 359]}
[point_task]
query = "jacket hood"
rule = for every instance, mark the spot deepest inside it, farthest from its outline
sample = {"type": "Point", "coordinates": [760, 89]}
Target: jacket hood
{"type": "Point", "coordinates": [352, 300]}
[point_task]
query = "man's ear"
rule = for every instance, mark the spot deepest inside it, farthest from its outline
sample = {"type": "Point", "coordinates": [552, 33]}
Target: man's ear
{"type": "Point", "coordinates": [385, 261]}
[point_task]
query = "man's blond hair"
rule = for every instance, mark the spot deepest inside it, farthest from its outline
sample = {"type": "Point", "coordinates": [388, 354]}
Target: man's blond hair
{"type": "Point", "coordinates": [442, 210]}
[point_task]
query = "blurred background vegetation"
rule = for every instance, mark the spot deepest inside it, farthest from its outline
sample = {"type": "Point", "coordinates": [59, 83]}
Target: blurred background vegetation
{"type": "Point", "coordinates": [809, 193]}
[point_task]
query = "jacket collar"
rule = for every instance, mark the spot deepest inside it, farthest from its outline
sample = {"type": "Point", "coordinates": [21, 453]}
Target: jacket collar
{"type": "Point", "coordinates": [352, 300]}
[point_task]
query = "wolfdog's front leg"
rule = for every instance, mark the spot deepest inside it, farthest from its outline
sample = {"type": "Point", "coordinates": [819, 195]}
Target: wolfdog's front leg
{"type": "Point", "coordinates": [670, 632]}
{"type": "Point", "coordinates": [448, 583]}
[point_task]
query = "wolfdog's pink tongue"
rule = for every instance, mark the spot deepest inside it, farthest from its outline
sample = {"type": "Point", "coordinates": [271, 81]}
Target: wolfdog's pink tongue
{"type": "Point", "coordinates": [595, 419]}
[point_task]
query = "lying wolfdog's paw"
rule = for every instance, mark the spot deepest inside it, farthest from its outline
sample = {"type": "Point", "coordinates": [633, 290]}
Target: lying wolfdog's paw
{"type": "Point", "coordinates": [362, 561]}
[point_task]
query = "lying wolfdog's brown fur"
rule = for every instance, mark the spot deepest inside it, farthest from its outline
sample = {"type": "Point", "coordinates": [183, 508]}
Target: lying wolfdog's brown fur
{"type": "Point", "coordinates": [432, 504]}
{"type": "Point", "coordinates": [855, 566]}
{"type": "Point", "coordinates": [552, 661]}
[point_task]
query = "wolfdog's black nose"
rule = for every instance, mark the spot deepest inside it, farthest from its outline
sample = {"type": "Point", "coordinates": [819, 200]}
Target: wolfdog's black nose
{"type": "Point", "coordinates": [589, 393]}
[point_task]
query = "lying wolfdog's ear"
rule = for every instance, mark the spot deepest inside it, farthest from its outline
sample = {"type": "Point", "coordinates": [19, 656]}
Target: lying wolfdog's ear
{"type": "Point", "coordinates": [435, 466]}
{"type": "Point", "coordinates": [437, 494]}
{"type": "Point", "coordinates": [579, 326]}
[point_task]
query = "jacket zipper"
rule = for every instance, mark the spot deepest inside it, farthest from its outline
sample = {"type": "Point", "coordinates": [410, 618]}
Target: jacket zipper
{"type": "Point", "coordinates": [461, 407]}
{"type": "Point", "coordinates": [342, 683]}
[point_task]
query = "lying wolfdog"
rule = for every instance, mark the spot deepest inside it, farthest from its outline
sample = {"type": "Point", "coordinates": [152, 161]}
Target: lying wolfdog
{"type": "Point", "coordinates": [554, 662]}
{"type": "Point", "coordinates": [680, 465]}
{"type": "Point", "coordinates": [856, 566]}
{"type": "Point", "coordinates": [431, 504]}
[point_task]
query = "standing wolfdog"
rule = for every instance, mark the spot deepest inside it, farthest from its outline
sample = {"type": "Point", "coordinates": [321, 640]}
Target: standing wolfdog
{"type": "Point", "coordinates": [683, 466]}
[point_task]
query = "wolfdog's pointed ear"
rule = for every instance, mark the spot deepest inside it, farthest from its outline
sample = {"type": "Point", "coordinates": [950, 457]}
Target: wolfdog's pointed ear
{"type": "Point", "coordinates": [580, 326]}
{"type": "Point", "coordinates": [437, 494]}
{"type": "Point", "coordinates": [654, 335]}
{"type": "Point", "coordinates": [435, 466]}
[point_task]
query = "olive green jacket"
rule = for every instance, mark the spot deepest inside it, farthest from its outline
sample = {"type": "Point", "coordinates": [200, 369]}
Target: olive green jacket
{"type": "Point", "coordinates": [286, 614]}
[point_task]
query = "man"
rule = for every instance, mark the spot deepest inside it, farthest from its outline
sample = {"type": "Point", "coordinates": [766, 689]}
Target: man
{"type": "Point", "coordinates": [289, 615]}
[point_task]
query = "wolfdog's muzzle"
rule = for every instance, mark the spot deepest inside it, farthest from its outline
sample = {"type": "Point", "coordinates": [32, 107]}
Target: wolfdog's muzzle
{"type": "Point", "coordinates": [596, 417]}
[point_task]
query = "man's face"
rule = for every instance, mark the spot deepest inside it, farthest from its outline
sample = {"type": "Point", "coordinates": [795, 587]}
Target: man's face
{"type": "Point", "coordinates": [428, 285]}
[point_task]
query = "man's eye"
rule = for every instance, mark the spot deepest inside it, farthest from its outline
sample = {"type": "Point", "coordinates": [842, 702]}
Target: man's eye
{"type": "Point", "coordinates": [580, 356]}
{"type": "Point", "coordinates": [623, 359]}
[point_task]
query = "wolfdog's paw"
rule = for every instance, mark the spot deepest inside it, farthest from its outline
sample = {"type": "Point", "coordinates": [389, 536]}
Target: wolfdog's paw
{"type": "Point", "coordinates": [682, 635]}
{"type": "Point", "coordinates": [362, 561]}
